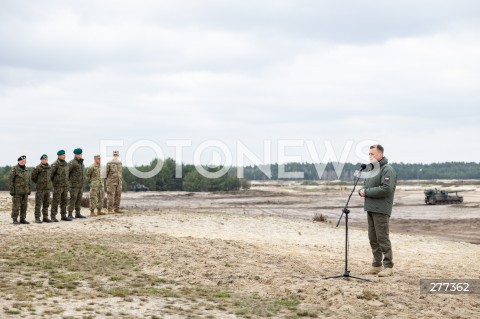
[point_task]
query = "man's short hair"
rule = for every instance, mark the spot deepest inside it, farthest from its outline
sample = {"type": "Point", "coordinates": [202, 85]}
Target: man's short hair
{"type": "Point", "coordinates": [378, 147]}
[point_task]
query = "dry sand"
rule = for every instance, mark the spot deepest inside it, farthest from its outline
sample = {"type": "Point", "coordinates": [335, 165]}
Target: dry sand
{"type": "Point", "coordinates": [177, 255]}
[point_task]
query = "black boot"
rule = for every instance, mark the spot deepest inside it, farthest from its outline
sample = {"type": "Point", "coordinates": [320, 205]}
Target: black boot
{"type": "Point", "coordinates": [54, 219]}
{"type": "Point", "coordinates": [15, 221]}
{"type": "Point", "coordinates": [38, 221]}
{"type": "Point", "coordinates": [78, 215]}
{"type": "Point", "coordinates": [65, 218]}
{"type": "Point", "coordinates": [24, 221]}
{"type": "Point", "coordinates": [46, 220]}
{"type": "Point", "coordinates": [70, 215]}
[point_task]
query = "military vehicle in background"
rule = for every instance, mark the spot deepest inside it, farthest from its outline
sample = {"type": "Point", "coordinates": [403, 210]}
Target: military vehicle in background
{"type": "Point", "coordinates": [137, 187]}
{"type": "Point", "coordinates": [443, 197]}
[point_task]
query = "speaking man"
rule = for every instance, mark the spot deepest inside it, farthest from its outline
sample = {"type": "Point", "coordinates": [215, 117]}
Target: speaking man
{"type": "Point", "coordinates": [378, 192]}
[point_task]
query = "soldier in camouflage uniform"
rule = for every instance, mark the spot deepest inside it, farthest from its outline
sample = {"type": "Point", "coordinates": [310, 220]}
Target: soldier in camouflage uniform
{"type": "Point", "coordinates": [41, 177]}
{"type": "Point", "coordinates": [20, 189]}
{"type": "Point", "coordinates": [114, 183]}
{"type": "Point", "coordinates": [75, 178]}
{"type": "Point", "coordinates": [59, 177]}
{"type": "Point", "coordinates": [95, 180]}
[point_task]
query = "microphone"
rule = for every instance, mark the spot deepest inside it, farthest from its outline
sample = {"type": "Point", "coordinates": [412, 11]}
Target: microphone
{"type": "Point", "coordinates": [364, 166]}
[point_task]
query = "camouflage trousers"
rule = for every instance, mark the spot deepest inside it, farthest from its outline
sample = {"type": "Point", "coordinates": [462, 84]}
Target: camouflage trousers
{"type": "Point", "coordinates": [19, 206]}
{"type": "Point", "coordinates": [76, 194]}
{"type": "Point", "coordinates": [96, 197]}
{"type": "Point", "coordinates": [378, 234]}
{"type": "Point", "coordinates": [114, 194]}
{"type": "Point", "coordinates": [60, 195]}
{"type": "Point", "coordinates": [42, 201]}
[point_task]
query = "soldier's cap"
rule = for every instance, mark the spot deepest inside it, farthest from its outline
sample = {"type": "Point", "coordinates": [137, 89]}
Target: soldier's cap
{"type": "Point", "coordinates": [43, 156]}
{"type": "Point", "coordinates": [77, 151]}
{"type": "Point", "coordinates": [96, 156]}
{"type": "Point", "coordinates": [21, 158]}
{"type": "Point", "coordinates": [61, 152]}
{"type": "Point", "coordinates": [116, 153]}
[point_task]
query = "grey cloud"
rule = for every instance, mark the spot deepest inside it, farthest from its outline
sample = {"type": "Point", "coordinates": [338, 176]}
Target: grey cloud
{"type": "Point", "coordinates": [75, 72]}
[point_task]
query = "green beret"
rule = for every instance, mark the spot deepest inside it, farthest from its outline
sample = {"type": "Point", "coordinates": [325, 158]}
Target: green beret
{"type": "Point", "coordinates": [43, 156]}
{"type": "Point", "coordinates": [61, 152]}
{"type": "Point", "coordinates": [77, 151]}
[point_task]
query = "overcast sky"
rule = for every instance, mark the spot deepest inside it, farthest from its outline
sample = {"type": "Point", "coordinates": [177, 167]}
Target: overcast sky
{"type": "Point", "coordinates": [403, 73]}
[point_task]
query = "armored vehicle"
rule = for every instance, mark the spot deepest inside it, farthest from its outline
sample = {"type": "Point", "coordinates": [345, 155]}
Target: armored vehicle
{"type": "Point", "coordinates": [137, 187]}
{"type": "Point", "coordinates": [442, 197]}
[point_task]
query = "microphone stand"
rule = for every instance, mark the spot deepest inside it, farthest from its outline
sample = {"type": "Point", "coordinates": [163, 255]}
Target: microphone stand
{"type": "Point", "coordinates": [346, 211]}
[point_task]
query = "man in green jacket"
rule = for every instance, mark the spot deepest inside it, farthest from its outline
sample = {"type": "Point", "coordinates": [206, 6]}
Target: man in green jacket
{"type": "Point", "coordinates": [20, 189]}
{"type": "Point", "coordinates": [59, 179]}
{"type": "Point", "coordinates": [41, 177]}
{"type": "Point", "coordinates": [379, 191]}
{"type": "Point", "coordinates": [75, 178]}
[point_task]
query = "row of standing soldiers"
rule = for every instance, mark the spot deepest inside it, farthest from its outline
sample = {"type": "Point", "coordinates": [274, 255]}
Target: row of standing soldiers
{"type": "Point", "coordinates": [64, 178]}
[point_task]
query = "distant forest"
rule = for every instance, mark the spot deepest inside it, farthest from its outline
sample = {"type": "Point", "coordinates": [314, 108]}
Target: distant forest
{"type": "Point", "coordinates": [193, 181]}
{"type": "Point", "coordinates": [405, 171]}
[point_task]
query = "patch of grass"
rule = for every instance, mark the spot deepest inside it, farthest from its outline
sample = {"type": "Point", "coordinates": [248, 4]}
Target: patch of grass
{"type": "Point", "coordinates": [55, 311]}
{"type": "Point", "coordinates": [67, 266]}
{"type": "Point", "coordinates": [307, 313]}
{"type": "Point", "coordinates": [115, 278]}
{"type": "Point", "coordinates": [221, 307]}
{"type": "Point", "coordinates": [65, 280]}
{"type": "Point", "coordinates": [119, 292]}
{"type": "Point", "coordinates": [12, 311]}
{"type": "Point", "coordinates": [290, 304]}
{"type": "Point", "coordinates": [104, 271]}
{"type": "Point", "coordinates": [150, 291]}
{"type": "Point", "coordinates": [221, 294]}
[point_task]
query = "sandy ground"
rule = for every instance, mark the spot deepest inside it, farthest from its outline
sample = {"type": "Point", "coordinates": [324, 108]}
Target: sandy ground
{"type": "Point", "coordinates": [291, 199]}
{"type": "Point", "coordinates": [254, 254]}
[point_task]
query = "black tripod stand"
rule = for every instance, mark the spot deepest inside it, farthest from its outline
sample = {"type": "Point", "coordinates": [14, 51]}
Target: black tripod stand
{"type": "Point", "coordinates": [346, 211]}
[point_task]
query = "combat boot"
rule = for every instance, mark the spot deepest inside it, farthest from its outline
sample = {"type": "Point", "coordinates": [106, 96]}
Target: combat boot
{"type": "Point", "coordinates": [373, 270]}
{"type": "Point", "coordinates": [386, 272]}
{"type": "Point", "coordinates": [46, 220]}
{"type": "Point", "coordinates": [118, 211]}
{"type": "Point", "coordinates": [24, 221]}
{"type": "Point", "coordinates": [54, 219]}
{"type": "Point", "coordinates": [15, 221]}
{"type": "Point", "coordinates": [70, 215]}
{"type": "Point", "coordinates": [78, 215]}
{"type": "Point", "coordinates": [38, 220]}
{"type": "Point", "coordinates": [65, 218]}
{"type": "Point", "coordinates": [109, 211]}
{"type": "Point", "coordinates": [99, 212]}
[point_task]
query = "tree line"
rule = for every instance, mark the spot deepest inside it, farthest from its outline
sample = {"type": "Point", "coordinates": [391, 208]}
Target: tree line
{"type": "Point", "coordinates": [405, 171]}
{"type": "Point", "coordinates": [193, 181]}
{"type": "Point", "coordinates": [165, 180]}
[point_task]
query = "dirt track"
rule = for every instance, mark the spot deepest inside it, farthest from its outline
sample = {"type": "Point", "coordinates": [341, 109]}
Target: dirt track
{"type": "Point", "coordinates": [293, 200]}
